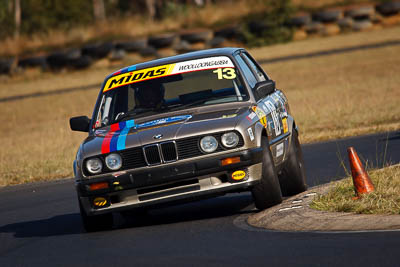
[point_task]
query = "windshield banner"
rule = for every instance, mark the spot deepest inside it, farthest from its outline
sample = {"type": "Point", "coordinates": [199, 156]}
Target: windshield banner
{"type": "Point", "coordinates": [166, 70]}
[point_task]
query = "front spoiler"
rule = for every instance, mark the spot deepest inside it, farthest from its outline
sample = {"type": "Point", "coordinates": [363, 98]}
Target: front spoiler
{"type": "Point", "coordinates": [125, 188]}
{"type": "Point", "coordinates": [172, 200]}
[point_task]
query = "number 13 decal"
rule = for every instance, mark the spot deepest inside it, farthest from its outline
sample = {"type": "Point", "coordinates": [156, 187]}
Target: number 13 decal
{"type": "Point", "coordinates": [226, 73]}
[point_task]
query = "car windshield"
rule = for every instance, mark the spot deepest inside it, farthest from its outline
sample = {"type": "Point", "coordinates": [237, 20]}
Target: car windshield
{"type": "Point", "coordinates": [135, 94]}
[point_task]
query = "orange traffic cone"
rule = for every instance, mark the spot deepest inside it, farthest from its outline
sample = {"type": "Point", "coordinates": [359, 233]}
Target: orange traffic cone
{"type": "Point", "coordinates": [362, 182]}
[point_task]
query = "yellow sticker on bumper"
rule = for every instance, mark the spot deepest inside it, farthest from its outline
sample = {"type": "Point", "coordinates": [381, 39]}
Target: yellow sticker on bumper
{"type": "Point", "coordinates": [238, 175]}
{"type": "Point", "coordinates": [100, 201]}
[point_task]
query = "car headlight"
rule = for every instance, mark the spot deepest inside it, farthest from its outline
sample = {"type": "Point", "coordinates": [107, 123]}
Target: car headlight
{"type": "Point", "coordinates": [114, 161]}
{"type": "Point", "coordinates": [230, 139]}
{"type": "Point", "coordinates": [94, 165]}
{"type": "Point", "coordinates": [208, 144]}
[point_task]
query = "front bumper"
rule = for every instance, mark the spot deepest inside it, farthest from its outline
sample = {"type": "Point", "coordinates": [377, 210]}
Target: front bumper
{"type": "Point", "coordinates": [171, 183]}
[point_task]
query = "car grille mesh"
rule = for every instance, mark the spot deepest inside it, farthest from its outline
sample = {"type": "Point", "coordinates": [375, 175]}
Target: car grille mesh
{"type": "Point", "coordinates": [171, 151]}
{"type": "Point", "coordinates": [132, 158]}
{"type": "Point", "coordinates": [152, 154]}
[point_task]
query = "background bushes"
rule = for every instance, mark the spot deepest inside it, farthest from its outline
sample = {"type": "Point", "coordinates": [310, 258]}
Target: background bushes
{"type": "Point", "coordinates": [43, 15]}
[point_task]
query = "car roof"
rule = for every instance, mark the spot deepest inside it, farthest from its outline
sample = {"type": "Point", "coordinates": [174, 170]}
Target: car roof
{"type": "Point", "coordinates": [226, 51]}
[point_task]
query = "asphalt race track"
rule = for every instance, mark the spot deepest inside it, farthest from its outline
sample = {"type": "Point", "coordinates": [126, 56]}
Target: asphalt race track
{"type": "Point", "coordinates": [40, 226]}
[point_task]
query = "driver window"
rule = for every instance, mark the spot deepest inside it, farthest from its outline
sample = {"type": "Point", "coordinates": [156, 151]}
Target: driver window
{"type": "Point", "coordinates": [248, 74]}
{"type": "Point", "coordinates": [259, 73]}
{"type": "Point", "coordinates": [106, 110]}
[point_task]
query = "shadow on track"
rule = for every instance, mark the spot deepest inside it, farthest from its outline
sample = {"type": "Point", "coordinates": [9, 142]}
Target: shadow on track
{"type": "Point", "coordinates": [396, 136]}
{"type": "Point", "coordinates": [214, 208]}
{"type": "Point", "coordinates": [375, 150]}
{"type": "Point", "coordinates": [70, 224]}
{"type": "Point", "coordinates": [66, 224]}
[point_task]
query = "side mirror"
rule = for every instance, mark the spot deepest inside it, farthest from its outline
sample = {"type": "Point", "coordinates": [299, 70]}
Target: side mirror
{"type": "Point", "coordinates": [80, 123]}
{"type": "Point", "coordinates": [264, 88]}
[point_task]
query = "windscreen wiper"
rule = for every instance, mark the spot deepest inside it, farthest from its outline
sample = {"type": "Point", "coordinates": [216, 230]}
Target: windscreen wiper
{"type": "Point", "coordinates": [132, 113]}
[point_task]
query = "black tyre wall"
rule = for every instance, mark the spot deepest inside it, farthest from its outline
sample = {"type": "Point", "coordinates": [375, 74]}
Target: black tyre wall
{"type": "Point", "coordinates": [292, 177]}
{"type": "Point", "coordinates": [268, 192]}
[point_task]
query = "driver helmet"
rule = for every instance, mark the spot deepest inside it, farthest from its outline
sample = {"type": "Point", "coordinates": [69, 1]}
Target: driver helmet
{"type": "Point", "coordinates": [149, 95]}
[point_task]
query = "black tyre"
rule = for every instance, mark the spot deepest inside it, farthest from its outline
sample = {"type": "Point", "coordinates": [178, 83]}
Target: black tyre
{"type": "Point", "coordinates": [97, 50]}
{"type": "Point", "coordinates": [257, 27]}
{"type": "Point", "coordinates": [388, 8]}
{"type": "Point", "coordinates": [96, 222]}
{"type": "Point", "coordinates": [148, 52]}
{"type": "Point", "coordinates": [162, 40]}
{"type": "Point", "coordinates": [292, 177]}
{"type": "Point", "coordinates": [232, 32]}
{"type": "Point", "coordinates": [267, 193]}
{"type": "Point", "coordinates": [6, 65]}
{"type": "Point", "coordinates": [132, 45]}
{"type": "Point", "coordinates": [360, 13]}
{"type": "Point", "coordinates": [327, 16]}
{"type": "Point", "coordinates": [300, 20]}
{"type": "Point", "coordinates": [81, 62]}
{"type": "Point", "coordinates": [216, 42]}
{"type": "Point", "coordinates": [38, 61]}
{"type": "Point", "coordinates": [57, 60]}
{"type": "Point", "coordinates": [195, 36]}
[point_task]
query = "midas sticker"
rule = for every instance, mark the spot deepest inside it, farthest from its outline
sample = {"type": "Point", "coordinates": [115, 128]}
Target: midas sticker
{"type": "Point", "coordinates": [285, 125]}
{"type": "Point", "coordinates": [171, 69]}
{"type": "Point", "coordinates": [137, 76]}
{"type": "Point", "coordinates": [261, 115]}
{"type": "Point", "coordinates": [238, 175]}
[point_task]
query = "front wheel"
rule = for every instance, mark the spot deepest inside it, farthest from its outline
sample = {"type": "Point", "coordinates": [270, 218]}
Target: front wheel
{"type": "Point", "coordinates": [267, 192]}
{"type": "Point", "coordinates": [96, 223]}
{"type": "Point", "coordinates": [292, 177]}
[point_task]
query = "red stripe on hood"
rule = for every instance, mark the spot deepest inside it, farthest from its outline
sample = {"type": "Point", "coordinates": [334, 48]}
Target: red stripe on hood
{"type": "Point", "coordinates": [105, 146]}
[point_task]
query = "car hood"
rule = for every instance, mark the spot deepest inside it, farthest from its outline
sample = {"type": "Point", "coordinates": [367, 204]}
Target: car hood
{"type": "Point", "coordinates": [129, 134]}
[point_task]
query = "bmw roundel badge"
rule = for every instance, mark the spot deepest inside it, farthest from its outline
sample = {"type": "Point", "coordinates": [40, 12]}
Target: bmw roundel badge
{"type": "Point", "coordinates": [158, 136]}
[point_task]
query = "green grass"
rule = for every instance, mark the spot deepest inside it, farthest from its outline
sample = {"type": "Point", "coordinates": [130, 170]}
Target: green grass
{"type": "Point", "coordinates": [384, 200]}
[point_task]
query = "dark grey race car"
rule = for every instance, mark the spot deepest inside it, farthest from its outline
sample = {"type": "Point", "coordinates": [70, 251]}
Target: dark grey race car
{"type": "Point", "coordinates": [186, 127]}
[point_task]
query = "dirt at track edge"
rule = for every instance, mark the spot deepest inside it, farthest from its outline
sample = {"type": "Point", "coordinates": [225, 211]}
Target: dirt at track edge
{"type": "Point", "coordinates": [295, 214]}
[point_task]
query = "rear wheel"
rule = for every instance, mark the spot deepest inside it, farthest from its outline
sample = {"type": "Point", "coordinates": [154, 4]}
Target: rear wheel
{"type": "Point", "coordinates": [293, 178]}
{"type": "Point", "coordinates": [96, 223]}
{"type": "Point", "coordinates": [267, 193]}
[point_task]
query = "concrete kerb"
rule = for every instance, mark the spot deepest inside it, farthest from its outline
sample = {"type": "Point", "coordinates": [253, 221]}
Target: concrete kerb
{"type": "Point", "coordinates": [295, 214]}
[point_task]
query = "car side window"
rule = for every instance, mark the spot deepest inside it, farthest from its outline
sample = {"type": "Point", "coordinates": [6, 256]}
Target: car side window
{"type": "Point", "coordinates": [259, 73]}
{"type": "Point", "coordinates": [248, 74]}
